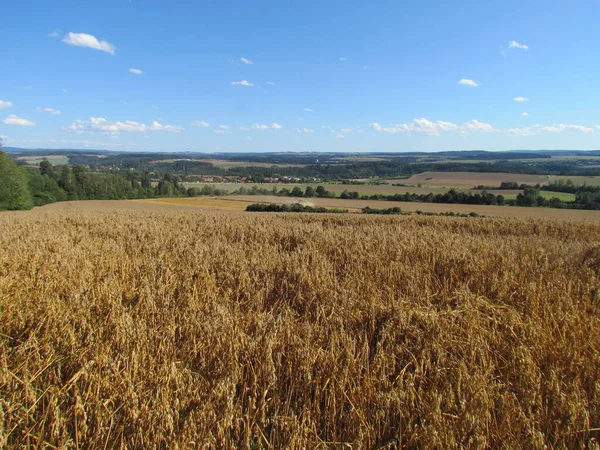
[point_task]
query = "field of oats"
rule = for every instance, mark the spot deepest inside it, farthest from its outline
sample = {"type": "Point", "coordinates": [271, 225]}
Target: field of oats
{"type": "Point", "coordinates": [203, 329]}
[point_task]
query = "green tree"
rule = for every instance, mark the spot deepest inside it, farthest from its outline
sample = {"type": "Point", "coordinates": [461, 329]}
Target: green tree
{"type": "Point", "coordinates": [14, 185]}
{"type": "Point", "coordinates": [309, 192]}
{"type": "Point", "coordinates": [296, 192]}
{"type": "Point", "coordinates": [46, 168]}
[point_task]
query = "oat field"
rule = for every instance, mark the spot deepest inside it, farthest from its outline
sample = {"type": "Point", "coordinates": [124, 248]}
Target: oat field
{"type": "Point", "coordinates": [202, 329]}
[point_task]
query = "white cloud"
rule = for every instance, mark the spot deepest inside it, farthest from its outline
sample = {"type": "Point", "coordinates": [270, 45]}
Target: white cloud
{"type": "Point", "coordinates": [54, 112]}
{"type": "Point", "coordinates": [200, 123]}
{"type": "Point", "coordinates": [305, 130]}
{"type": "Point", "coordinates": [271, 83]}
{"type": "Point", "coordinates": [308, 110]}
{"type": "Point", "coordinates": [221, 131]}
{"type": "Point", "coordinates": [5, 104]}
{"type": "Point", "coordinates": [515, 44]}
{"type": "Point", "coordinates": [20, 121]}
{"type": "Point", "coordinates": [248, 138]}
{"type": "Point", "coordinates": [88, 41]}
{"type": "Point", "coordinates": [346, 130]}
{"type": "Point", "coordinates": [136, 71]}
{"type": "Point", "coordinates": [468, 82]}
{"type": "Point", "coordinates": [559, 128]}
{"type": "Point", "coordinates": [246, 61]}
{"type": "Point", "coordinates": [242, 83]}
{"type": "Point", "coordinates": [263, 127]}
{"type": "Point", "coordinates": [224, 127]}
{"type": "Point", "coordinates": [340, 136]}
{"type": "Point", "coordinates": [343, 59]}
{"type": "Point", "coordinates": [101, 125]}
{"type": "Point", "coordinates": [427, 127]}
{"type": "Point", "coordinates": [520, 99]}
{"type": "Point", "coordinates": [524, 114]}
{"type": "Point", "coordinates": [555, 128]}
{"type": "Point", "coordinates": [54, 34]}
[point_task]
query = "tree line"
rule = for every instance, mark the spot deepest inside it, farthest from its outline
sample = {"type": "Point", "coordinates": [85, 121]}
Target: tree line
{"type": "Point", "coordinates": [25, 187]}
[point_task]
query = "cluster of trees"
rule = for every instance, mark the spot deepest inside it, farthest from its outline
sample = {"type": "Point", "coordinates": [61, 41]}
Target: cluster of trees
{"type": "Point", "coordinates": [570, 187]}
{"type": "Point", "coordinates": [452, 196]}
{"type": "Point", "coordinates": [388, 211]}
{"type": "Point", "coordinates": [14, 188]}
{"type": "Point", "coordinates": [296, 207]}
{"type": "Point", "coordinates": [506, 185]}
{"type": "Point", "coordinates": [308, 192]}
{"type": "Point", "coordinates": [24, 187]}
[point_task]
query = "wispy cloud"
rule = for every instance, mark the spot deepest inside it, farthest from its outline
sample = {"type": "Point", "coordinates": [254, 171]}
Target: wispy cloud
{"type": "Point", "coordinates": [524, 114]}
{"type": "Point", "coordinates": [224, 127]}
{"type": "Point", "coordinates": [136, 71]}
{"type": "Point", "coordinates": [5, 104]}
{"type": "Point", "coordinates": [101, 125]}
{"type": "Point", "coordinates": [468, 82]}
{"type": "Point", "coordinates": [89, 41]}
{"type": "Point", "coordinates": [341, 58]}
{"type": "Point", "coordinates": [308, 110]}
{"type": "Point", "coordinates": [305, 130]}
{"type": "Point", "coordinates": [511, 45]}
{"type": "Point", "coordinates": [270, 83]}
{"type": "Point", "coordinates": [19, 121]}
{"type": "Point", "coordinates": [200, 123]}
{"type": "Point", "coordinates": [247, 61]}
{"type": "Point", "coordinates": [515, 44]}
{"type": "Point", "coordinates": [263, 127]}
{"type": "Point", "coordinates": [520, 99]}
{"type": "Point", "coordinates": [242, 83]}
{"type": "Point", "coordinates": [54, 34]}
{"type": "Point", "coordinates": [555, 128]}
{"type": "Point", "coordinates": [427, 127]}
{"type": "Point", "coordinates": [54, 112]}
{"type": "Point", "coordinates": [340, 136]}
{"type": "Point", "coordinates": [346, 130]}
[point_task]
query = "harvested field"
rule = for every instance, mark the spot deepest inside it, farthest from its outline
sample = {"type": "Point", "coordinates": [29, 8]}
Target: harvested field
{"type": "Point", "coordinates": [239, 203]}
{"type": "Point", "coordinates": [492, 211]}
{"type": "Point", "coordinates": [182, 329]}
{"type": "Point", "coordinates": [469, 179]}
{"type": "Point", "coordinates": [52, 159]}
{"type": "Point", "coordinates": [590, 181]}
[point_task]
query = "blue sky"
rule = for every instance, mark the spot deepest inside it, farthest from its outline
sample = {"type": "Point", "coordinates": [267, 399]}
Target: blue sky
{"type": "Point", "coordinates": [324, 75]}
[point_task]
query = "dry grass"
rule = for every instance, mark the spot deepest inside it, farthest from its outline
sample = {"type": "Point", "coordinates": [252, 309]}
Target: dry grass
{"type": "Point", "coordinates": [179, 329]}
{"type": "Point", "coordinates": [470, 179]}
{"type": "Point", "coordinates": [492, 211]}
